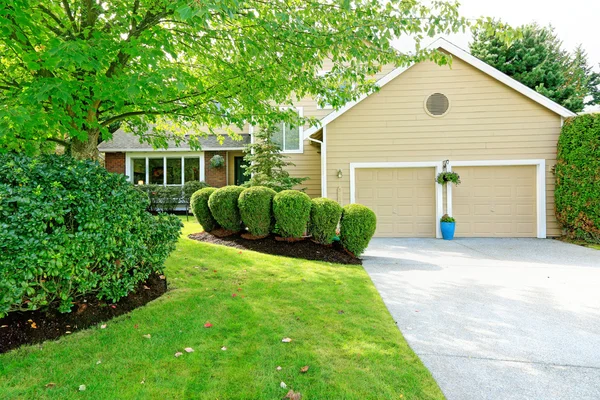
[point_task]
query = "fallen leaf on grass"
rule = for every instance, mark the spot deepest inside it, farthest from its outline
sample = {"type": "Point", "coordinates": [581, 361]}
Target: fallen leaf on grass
{"type": "Point", "coordinates": [223, 348]}
{"type": "Point", "coordinates": [98, 362]}
{"type": "Point", "coordinates": [103, 326]}
{"type": "Point", "coordinates": [143, 381]}
{"type": "Point", "coordinates": [135, 326]}
{"type": "Point", "coordinates": [67, 332]}
{"type": "Point", "coordinates": [278, 368]}
{"type": "Point", "coordinates": [293, 395]}
{"type": "Point", "coordinates": [148, 336]}
{"type": "Point", "coordinates": [189, 350]}
{"type": "Point", "coordinates": [286, 340]}
{"type": "Point", "coordinates": [208, 324]}
{"type": "Point", "coordinates": [304, 369]}
{"type": "Point", "coordinates": [340, 311]}
{"type": "Point", "coordinates": [234, 295]}
{"type": "Point", "coordinates": [178, 354]}
{"type": "Point", "coordinates": [50, 385]}
{"type": "Point", "coordinates": [283, 385]}
{"type": "Point", "coordinates": [82, 388]}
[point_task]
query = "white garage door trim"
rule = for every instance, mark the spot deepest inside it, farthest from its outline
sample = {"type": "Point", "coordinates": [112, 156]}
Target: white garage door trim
{"type": "Point", "coordinates": [427, 164]}
{"type": "Point", "coordinates": [540, 184]}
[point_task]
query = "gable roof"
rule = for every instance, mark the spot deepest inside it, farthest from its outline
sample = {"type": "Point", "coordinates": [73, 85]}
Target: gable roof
{"type": "Point", "coordinates": [455, 51]}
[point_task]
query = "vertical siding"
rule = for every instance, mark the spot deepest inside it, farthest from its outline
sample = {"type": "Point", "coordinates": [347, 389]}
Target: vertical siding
{"type": "Point", "coordinates": [487, 121]}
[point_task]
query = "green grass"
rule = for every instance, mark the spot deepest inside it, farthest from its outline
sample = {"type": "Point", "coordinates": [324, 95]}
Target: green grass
{"type": "Point", "coordinates": [357, 354]}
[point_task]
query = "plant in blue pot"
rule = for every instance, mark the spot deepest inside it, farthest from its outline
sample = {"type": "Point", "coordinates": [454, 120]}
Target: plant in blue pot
{"type": "Point", "coordinates": [448, 226]}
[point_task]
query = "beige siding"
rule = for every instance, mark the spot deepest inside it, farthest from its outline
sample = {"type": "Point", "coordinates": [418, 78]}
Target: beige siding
{"type": "Point", "coordinates": [308, 164]}
{"type": "Point", "coordinates": [487, 121]}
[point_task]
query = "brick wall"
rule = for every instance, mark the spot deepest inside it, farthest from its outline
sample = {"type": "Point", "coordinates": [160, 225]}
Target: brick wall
{"type": "Point", "coordinates": [115, 162]}
{"type": "Point", "coordinates": [215, 177]}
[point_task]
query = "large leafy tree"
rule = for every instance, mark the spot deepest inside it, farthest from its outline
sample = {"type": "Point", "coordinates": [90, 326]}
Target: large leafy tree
{"type": "Point", "coordinates": [72, 71]}
{"type": "Point", "coordinates": [536, 59]}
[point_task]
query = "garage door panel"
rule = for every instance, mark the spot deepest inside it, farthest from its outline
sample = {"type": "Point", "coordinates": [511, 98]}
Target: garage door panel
{"type": "Point", "coordinates": [495, 201]}
{"type": "Point", "coordinates": [404, 200]}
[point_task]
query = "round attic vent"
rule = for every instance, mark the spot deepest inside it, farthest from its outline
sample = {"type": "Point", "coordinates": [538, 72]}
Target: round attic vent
{"type": "Point", "coordinates": [437, 104]}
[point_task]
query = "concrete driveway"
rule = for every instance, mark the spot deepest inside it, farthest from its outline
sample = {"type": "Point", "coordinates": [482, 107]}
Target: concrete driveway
{"type": "Point", "coordinates": [496, 318]}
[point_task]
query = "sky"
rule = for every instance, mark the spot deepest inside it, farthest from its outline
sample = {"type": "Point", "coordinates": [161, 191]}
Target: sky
{"type": "Point", "coordinates": [575, 21]}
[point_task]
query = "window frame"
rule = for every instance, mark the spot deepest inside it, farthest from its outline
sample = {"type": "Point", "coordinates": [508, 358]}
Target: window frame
{"type": "Point", "coordinates": [300, 149]}
{"type": "Point", "coordinates": [130, 156]}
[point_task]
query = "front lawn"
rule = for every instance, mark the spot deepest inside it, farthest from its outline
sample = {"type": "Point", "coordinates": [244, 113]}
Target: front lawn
{"type": "Point", "coordinates": [338, 324]}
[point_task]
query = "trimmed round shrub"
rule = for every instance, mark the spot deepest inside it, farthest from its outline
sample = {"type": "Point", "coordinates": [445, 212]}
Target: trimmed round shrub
{"type": "Point", "coordinates": [325, 215]}
{"type": "Point", "coordinates": [191, 187]}
{"type": "Point", "coordinates": [223, 204]}
{"type": "Point", "coordinates": [291, 209]}
{"type": "Point", "coordinates": [70, 229]}
{"type": "Point", "coordinates": [256, 205]}
{"type": "Point", "coordinates": [577, 191]}
{"type": "Point", "coordinates": [200, 209]}
{"type": "Point", "coordinates": [357, 227]}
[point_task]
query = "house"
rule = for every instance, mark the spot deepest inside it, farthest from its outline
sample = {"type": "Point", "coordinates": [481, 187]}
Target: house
{"type": "Point", "coordinates": [385, 150]}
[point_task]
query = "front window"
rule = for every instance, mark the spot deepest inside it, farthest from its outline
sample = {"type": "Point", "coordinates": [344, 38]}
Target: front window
{"type": "Point", "coordinates": [170, 170]}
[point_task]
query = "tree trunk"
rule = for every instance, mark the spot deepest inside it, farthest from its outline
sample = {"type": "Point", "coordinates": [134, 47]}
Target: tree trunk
{"type": "Point", "coordinates": [88, 149]}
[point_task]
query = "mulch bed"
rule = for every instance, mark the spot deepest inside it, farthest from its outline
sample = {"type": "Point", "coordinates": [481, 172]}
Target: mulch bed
{"type": "Point", "coordinates": [305, 249]}
{"type": "Point", "coordinates": [17, 328]}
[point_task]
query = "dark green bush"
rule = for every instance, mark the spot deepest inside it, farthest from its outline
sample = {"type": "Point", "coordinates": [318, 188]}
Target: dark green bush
{"type": "Point", "coordinates": [191, 187]}
{"type": "Point", "coordinates": [162, 198]}
{"type": "Point", "coordinates": [357, 228]}
{"type": "Point", "coordinates": [291, 209]}
{"type": "Point", "coordinates": [256, 205]}
{"type": "Point", "coordinates": [70, 229]}
{"type": "Point", "coordinates": [151, 191]}
{"type": "Point", "coordinates": [200, 209]}
{"type": "Point", "coordinates": [577, 192]}
{"type": "Point", "coordinates": [223, 204]}
{"type": "Point", "coordinates": [325, 215]}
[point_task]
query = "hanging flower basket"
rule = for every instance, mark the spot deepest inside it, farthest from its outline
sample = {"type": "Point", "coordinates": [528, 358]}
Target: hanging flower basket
{"type": "Point", "coordinates": [444, 177]}
{"type": "Point", "coordinates": [217, 161]}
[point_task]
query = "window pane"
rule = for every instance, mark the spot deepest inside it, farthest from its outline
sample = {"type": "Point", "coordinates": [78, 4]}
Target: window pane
{"type": "Point", "coordinates": [278, 136]}
{"type": "Point", "coordinates": [192, 169]}
{"type": "Point", "coordinates": [157, 171]}
{"type": "Point", "coordinates": [173, 171]}
{"type": "Point", "coordinates": [292, 138]}
{"type": "Point", "coordinates": [139, 171]}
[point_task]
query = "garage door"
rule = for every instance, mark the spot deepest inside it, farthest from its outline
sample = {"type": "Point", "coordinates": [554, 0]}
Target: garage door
{"type": "Point", "coordinates": [495, 201]}
{"type": "Point", "coordinates": [402, 198]}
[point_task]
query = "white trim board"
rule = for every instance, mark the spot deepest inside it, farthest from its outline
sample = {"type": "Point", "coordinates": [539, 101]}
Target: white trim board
{"type": "Point", "coordinates": [540, 184]}
{"type": "Point", "coordinates": [439, 196]}
{"type": "Point", "coordinates": [164, 155]}
{"type": "Point", "coordinates": [455, 51]}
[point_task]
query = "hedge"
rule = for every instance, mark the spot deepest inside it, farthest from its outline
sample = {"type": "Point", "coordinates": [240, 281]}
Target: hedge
{"type": "Point", "coordinates": [577, 192]}
{"type": "Point", "coordinates": [255, 204]}
{"type": "Point", "coordinates": [70, 229]}
{"type": "Point", "coordinates": [325, 215]}
{"type": "Point", "coordinates": [357, 227]}
{"type": "Point", "coordinates": [200, 209]}
{"type": "Point", "coordinates": [223, 204]}
{"type": "Point", "coordinates": [291, 209]}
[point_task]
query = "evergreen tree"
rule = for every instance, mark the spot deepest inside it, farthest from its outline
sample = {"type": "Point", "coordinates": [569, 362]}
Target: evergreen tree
{"type": "Point", "coordinates": [537, 60]}
{"type": "Point", "coordinates": [266, 166]}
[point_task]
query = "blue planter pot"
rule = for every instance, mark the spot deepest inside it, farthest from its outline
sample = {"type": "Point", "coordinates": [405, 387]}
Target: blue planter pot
{"type": "Point", "coordinates": [448, 230]}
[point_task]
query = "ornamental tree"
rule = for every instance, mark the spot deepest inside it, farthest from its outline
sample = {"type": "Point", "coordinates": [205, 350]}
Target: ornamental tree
{"type": "Point", "coordinates": [536, 59]}
{"type": "Point", "coordinates": [266, 166]}
{"type": "Point", "coordinates": [73, 71]}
